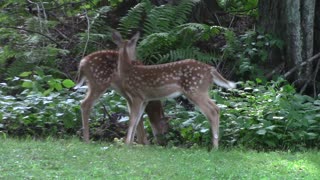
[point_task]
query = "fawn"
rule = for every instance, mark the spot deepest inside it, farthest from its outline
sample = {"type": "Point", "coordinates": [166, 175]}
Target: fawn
{"type": "Point", "coordinates": [144, 83]}
{"type": "Point", "coordinates": [100, 71]}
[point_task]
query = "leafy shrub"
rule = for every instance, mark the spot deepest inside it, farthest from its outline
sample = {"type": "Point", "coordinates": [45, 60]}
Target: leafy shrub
{"type": "Point", "coordinates": [271, 116]}
{"type": "Point", "coordinates": [249, 52]}
{"type": "Point", "coordinates": [248, 7]}
{"type": "Point", "coordinates": [44, 106]}
{"type": "Point", "coordinates": [257, 116]}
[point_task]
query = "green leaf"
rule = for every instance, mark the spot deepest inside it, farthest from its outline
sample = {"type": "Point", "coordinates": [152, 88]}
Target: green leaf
{"type": "Point", "coordinates": [48, 91]}
{"type": "Point", "coordinates": [58, 86]}
{"type": "Point", "coordinates": [25, 74]}
{"type": "Point", "coordinates": [312, 135]}
{"type": "Point", "coordinates": [258, 80]}
{"type": "Point", "coordinates": [27, 84]}
{"type": "Point", "coordinates": [68, 83]}
{"type": "Point", "coordinates": [261, 132]}
{"type": "Point", "coordinates": [316, 102]}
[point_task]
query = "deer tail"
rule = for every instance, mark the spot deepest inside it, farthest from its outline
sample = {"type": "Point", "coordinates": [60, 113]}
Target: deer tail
{"type": "Point", "coordinates": [221, 81]}
{"type": "Point", "coordinates": [80, 77]}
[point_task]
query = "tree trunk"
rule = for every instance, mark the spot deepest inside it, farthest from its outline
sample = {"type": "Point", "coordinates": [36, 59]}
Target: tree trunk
{"type": "Point", "coordinates": [307, 24]}
{"type": "Point", "coordinates": [293, 36]}
{"type": "Point", "coordinates": [293, 22]}
{"type": "Point", "coordinates": [271, 16]}
{"type": "Point", "coordinates": [317, 28]}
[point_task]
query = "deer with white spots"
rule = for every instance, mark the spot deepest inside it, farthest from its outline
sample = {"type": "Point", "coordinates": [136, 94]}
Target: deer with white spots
{"type": "Point", "coordinates": [143, 84]}
{"type": "Point", "coordinates": [100, 71]}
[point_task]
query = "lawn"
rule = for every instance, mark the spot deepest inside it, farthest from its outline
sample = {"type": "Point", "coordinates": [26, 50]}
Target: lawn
{"type": "Point", "coordinates": [73, 159]}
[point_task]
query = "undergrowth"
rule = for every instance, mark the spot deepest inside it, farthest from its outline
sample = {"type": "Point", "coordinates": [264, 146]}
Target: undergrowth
{"type": "Point", "coordinates": [255, 115]}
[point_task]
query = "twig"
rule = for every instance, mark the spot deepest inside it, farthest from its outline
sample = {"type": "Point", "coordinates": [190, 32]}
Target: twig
{"type": "Point", "coordinates": [215, 15]}
{"type": "Point", "coordinates": [88, 35]}
{"type": "Point", "coordinates": [305, 86]}
{"type": "Point", "coordinates": [231, 21]}
{"type": "Point", "coordinates": [277, 69]}
{"type": "Point", "coordinates": [314, 79]}
{"type": "Point", "coordinates": [302, 64]}
{"type": "Point", "coordinates": [62, 35]}
{"type": "Point", "coordinates": [66, 4]}
{"type": "Point", "coordinates": [36, 32]}
{"type": "Point", "coordinates": [105, 112]}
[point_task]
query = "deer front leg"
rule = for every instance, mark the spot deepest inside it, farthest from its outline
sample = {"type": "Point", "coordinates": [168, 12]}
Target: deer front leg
{"type": "Point", "coordinates": [136, 110]}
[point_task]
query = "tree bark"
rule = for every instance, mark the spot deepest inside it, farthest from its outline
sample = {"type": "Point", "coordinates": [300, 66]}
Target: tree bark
{"type": "Point", "coordinates": [271, 18]}
{"type": "Point", "coordinates": [292, 21]}
{"type": "Point", "coordinates": [317, 27]}
{"type": "Point", "coordinates": [293, 38]}
{"type": "Point", "coordinates": [307, 24]}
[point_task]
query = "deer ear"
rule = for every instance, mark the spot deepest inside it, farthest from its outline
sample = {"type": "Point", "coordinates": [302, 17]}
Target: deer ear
{"type": "Point", "coordinates": [117, 38]}
{"type": "Point", "coordinates": [134, 39]}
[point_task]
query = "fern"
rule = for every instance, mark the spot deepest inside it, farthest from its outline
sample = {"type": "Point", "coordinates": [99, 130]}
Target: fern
{"type": "Point", "coordinates": [134, 17]}
{"type": "Point", "coordinates": [157, 43]}
{"type": "Point", "coordinates": [177, 44]}
{"type": "Point", "coordinates": [18, 66]}
{"type": "Point", "coordinates": [200, 31]}
{"type": "Point", "coordinates": [165, 18]}
{"type": "Point", "coordinates": [182, 11]}
{"type": "Point", "coordinates": [186, 53]}
{"type": "Point", "coordinates": [167, 36]}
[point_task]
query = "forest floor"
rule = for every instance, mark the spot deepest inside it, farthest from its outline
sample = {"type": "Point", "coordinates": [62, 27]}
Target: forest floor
{"type": "Point", "coordinates": [73, 159]}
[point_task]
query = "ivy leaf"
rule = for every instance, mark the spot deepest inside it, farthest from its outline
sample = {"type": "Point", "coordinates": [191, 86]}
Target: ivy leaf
{"type": "Point", "coordinates": [68, 83]}
{"type": "Point", "coordinates": [261, 132]}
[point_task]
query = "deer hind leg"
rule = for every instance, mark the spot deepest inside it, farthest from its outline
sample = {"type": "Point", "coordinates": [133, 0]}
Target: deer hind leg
{"type": "Point", "coordinates": [86, 105]}
{"type": "Point", "coordinates": [136, 110]}
{"type": "Point", "coordinates": [211, 111]}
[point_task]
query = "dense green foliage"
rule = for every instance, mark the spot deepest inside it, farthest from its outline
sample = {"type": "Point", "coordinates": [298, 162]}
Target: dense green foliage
{"type": "Point", "coordinates": [250, 51]}
{"type": "Point", "coordinates": [167, 34]}
{"type": "Point", "coordinates": [258, 116]}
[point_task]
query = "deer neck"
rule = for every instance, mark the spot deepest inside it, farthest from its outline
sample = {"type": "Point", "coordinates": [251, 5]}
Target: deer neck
{"type": "Point", "coordinates": [124, 62]}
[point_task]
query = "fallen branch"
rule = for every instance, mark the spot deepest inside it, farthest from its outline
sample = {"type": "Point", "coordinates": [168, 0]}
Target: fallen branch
{"type": "Point", "coordinates": [302, 64]}
{"type": "Point", "coordinates": [276, 70]}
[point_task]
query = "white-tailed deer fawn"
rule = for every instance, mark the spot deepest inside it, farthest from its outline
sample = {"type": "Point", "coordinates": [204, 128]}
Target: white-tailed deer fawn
{"type": "Point", "coordinates": [99, 69]}
{"type": "Point", "coordinates": [142, 84]}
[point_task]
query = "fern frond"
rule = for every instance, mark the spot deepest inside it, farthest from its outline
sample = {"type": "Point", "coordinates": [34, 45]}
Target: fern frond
{"type": "Point", "coordinates": [165, 18]}
{"type": "Point", "coordinates": [183, 9]}
{"type": "Point", "coordinates": [186, 53]}
{"type": "Point", "coordinates": [19, 66]}
{"type": "Point", "coordinates": [156, 43]}
{"type": "Point", "coordinates": [198, 32]}
{"type": "Point", "coordinates": [134, 17]}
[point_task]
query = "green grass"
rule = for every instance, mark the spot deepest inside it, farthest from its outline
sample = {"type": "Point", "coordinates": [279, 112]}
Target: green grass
{"type": "Point", "coordinates": [72, 159]}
